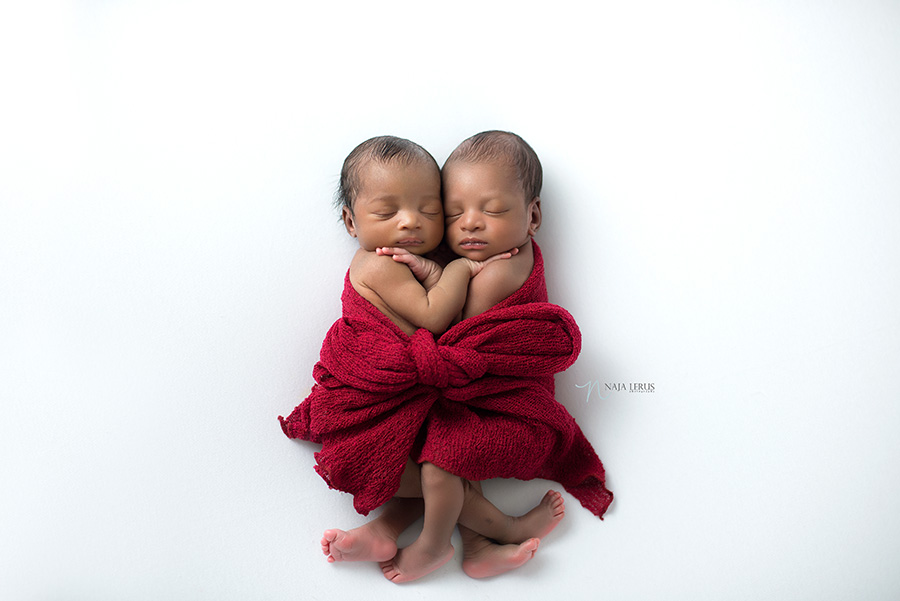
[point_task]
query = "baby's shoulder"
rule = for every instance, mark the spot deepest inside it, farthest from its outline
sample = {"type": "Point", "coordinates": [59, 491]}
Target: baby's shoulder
{"type": "Point", "coordinates": [500, 275]}
{"type": "Point", "coordinates": [373, 271]}
{"type": "Point", "coordinates": [497, 281]}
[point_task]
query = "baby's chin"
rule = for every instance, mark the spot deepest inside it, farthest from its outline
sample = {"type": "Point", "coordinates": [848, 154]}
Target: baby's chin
{"type": "Point", "coordinates": [476, 255]}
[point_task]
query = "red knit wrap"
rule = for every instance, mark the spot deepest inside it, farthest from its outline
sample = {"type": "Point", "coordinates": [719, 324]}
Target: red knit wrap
{"type": "Point", "coordinates": [478, 402]}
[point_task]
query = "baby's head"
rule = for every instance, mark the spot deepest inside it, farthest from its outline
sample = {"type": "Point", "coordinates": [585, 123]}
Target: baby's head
{"type": "Point", "coordinates": [492, 187]}
{"type": "Point", "coordinates": [390, 195]}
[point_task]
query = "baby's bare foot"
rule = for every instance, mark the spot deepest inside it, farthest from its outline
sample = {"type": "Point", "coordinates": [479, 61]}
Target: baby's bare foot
{"type": "Point", "coordinates": [365, 543]}
{"type": "Point", "coordinates": [415, 561]}
{"type": "Point", "coordinates": [538, 522]}
{"type": "Point", "coordinates": [488, 559]}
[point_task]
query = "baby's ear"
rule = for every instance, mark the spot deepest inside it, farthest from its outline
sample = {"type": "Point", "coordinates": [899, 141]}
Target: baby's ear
{"type": "Point", "coordinates": [534, 215]}
{"type": "Point", "coordinates": [347, 218]}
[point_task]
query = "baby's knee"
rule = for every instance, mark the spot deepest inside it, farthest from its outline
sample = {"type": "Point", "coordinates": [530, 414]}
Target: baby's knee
{"type": "Point", "coordinates": [432, 475]}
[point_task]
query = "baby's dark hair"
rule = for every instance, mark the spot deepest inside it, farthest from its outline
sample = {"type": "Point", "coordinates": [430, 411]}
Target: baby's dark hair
{"type": "Point", "coordinates": [384, 149]}
{"type": "Point", "coordinates": [505, 147]}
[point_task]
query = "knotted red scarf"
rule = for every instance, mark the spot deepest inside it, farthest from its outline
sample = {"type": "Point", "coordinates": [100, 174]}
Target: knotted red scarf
{"type": "Point", "coordinates": [478, 402]}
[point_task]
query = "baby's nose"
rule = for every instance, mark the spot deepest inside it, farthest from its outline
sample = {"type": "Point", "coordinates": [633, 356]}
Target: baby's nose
{"type": "Point", "coordinates": [408, 219]}
{"type": "Point", "coordinates": [471, 220]}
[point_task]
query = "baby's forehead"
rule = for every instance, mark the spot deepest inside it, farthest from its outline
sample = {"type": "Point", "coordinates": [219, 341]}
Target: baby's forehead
{"type": "Point", "coordinates": [499, 166]}
{"type": "Point", "coordinates": [393, 166]}
{"type": "Point", "coordinates": [496, 169]}
{"type": "Point", "coordinates": [375, 175]}
{"type": "Point", "coordinates": [467, 181]}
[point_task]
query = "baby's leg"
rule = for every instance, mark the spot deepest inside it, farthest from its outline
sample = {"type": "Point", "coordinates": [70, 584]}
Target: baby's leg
{"type": "Point", "coordinates": [444, 495]}
{"type": "Point", "coordinates": [483, 517]}
{"type": "Point", "coordinates": [483, 557]}
{"type": "Point", "coordinates": [410, 481]}
{"type": "Point", "coordinates": [376, 540]}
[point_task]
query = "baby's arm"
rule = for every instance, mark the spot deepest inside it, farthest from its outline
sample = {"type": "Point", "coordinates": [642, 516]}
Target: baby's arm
{"type": "Point", "coordinates": [433, 309]}
{"type": "Point", "coordinates": [425, 270]}
{"type": "Point", "coordinates": [493, 284]}
{"type": "Point", "coordinates": [429, 272]}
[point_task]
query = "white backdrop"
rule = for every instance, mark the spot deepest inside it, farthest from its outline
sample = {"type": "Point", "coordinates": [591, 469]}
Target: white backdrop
{"type": "Point", "coordinates": [720, 216]}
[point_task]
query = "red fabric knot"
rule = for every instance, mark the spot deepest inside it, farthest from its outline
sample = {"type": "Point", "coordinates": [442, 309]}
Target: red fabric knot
{"type": "Point", "coordinates": [432, 369]}
{"type": "Point", "coordinates": [443, 366]}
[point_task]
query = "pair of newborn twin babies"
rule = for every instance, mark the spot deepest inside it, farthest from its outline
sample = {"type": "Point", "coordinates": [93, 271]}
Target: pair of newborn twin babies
{"type": "Point", "coordinates": [411, 424]}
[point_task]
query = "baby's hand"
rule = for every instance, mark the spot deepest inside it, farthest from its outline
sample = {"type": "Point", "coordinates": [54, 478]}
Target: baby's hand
{"type": "Point", "coordinates": [475, 267]}
{"type": "Point", "coordinates": [425, 270]}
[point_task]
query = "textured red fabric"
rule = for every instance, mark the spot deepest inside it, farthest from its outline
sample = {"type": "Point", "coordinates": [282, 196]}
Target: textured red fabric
{"type": "Point", "coordinates": [478, 402]}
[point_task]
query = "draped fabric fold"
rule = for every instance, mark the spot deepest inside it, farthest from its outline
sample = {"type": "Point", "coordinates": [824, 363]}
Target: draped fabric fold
{"type": "Point", "coordinates": [478, 401]}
